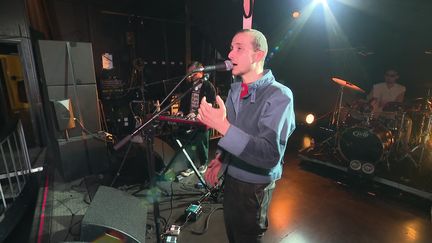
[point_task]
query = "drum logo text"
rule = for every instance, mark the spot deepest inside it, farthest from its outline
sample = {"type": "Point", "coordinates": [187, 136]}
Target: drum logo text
{"type": "Point", "coordinates": [360, 134]}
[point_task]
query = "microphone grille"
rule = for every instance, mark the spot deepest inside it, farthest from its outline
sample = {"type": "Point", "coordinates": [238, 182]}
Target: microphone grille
{"type": "Point", "coordinates": [228, 65]}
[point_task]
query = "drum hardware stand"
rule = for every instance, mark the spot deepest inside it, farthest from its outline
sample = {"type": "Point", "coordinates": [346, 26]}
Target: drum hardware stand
{"type": "Point", "coordinates": [424, 137]}
{"type": "Point", "coordinates": [149, 138]}
{"type": "Point", "coordinates": [337, 110]}
{"type": "Point", "coordinates": [335, 120]}
{"type": "Point", "coordinates": [421, 146]}
{"type": "Point", "coordinates": [401, 131]}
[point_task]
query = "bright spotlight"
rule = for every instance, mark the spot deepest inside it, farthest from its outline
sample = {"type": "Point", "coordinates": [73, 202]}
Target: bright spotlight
{"type": "Point", "coordinates": [321, 1]}
{"type": "Point", "coordinates": [310, 118]}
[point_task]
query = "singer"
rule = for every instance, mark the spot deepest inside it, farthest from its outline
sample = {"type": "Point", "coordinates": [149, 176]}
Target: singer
{"type": "Point", "coordinates": [199, 138]}
{"type": "Point", "coordinates": [256, 122]}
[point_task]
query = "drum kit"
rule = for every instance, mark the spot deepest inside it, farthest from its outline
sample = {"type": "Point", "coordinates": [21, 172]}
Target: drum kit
{"type": "Point", "coordinates": [364, 139]}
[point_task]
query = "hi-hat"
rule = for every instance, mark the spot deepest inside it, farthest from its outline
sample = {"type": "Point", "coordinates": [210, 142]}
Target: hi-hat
{"type": "Point", "coordinates": [347, 84]}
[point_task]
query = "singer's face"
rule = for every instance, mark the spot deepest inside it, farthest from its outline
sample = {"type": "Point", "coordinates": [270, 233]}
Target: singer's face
{"type": "Point", "coordinates": [242, 54]}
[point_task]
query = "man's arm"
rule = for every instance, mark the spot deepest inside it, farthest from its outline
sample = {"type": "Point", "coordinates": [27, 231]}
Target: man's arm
{"type": "Point", "coordinates": [373, 98]}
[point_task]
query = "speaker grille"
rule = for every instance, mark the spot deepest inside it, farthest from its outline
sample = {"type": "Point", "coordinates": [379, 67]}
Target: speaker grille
{"type": "Point", "coordinates": [116, 210]}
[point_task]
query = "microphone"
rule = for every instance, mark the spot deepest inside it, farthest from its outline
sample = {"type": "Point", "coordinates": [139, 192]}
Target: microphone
{"type": "Point", "coordinates": [224, 66]}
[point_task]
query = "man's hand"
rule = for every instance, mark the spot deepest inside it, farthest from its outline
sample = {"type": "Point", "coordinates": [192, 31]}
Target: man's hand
{"type": "Point", "coordinates": [214, 117]}
{"type": "Point", "coordinates": [211, 175]}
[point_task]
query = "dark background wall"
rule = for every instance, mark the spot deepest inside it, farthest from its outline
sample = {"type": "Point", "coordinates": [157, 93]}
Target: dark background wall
{"type": "Point", "coordinates": [369, 37]}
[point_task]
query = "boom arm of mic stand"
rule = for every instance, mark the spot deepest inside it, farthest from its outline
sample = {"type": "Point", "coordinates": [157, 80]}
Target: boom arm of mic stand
{"type": "Point", "coordinates": [162, 81]}
{"type": "Point", "coordinates": [177, 85]}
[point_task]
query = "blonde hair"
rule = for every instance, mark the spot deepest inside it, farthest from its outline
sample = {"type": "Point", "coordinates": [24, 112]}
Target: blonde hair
{"type": "Point", "coordinates": [259, 41]}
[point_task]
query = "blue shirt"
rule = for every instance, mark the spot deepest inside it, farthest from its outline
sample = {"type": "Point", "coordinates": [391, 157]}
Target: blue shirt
{"type": "Point", "coordinates": [261, 123]}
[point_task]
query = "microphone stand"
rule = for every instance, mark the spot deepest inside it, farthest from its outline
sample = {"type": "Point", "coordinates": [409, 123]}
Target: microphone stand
{"type": "Point", "coordinates": [172, 91]}
{"type": "Point", "coordinates": [162, 81]}
{"type": "Point", "coordinates": [149, 134]}
{"type": "Point", "coordinates": [175, 87]}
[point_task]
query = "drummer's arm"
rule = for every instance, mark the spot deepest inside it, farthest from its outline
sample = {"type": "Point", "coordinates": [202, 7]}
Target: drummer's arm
{"type": "Point", "coordinates": [373, 99]}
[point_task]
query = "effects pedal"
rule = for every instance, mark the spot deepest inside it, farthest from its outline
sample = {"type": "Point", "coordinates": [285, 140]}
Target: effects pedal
{"type": "Point", "coordinates": [194, 211]}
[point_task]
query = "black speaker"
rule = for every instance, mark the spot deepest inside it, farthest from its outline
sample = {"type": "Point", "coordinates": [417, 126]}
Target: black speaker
{"type": "Point", "coordinates": [81, 156]}
{"type": "Point", "coordinates": [67, 63]}
{"type": "Point", "coordinates": [112, 209]}
{"type": "Point", "coordinates": [68, 73]}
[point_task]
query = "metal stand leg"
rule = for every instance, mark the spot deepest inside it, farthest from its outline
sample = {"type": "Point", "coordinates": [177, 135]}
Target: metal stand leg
{"type": "Point", "coordinates": [192, 164]}
{"type": "Point", "coordinates": [121, 165]}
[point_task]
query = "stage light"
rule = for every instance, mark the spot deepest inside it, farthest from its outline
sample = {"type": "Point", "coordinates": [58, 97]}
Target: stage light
{"type": "Point", "coordinates": [295, 14]}
{"type": "Point", "coordinates": [308, 142]}
{"type": "Point", "coordinates": [321, 1]}
{"type": "Point", "coordinates": [310, 118]}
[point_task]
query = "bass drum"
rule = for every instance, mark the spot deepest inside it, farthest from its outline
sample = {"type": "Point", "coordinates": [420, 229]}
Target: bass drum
{"type": "Point", "coordinates": [367, 144]}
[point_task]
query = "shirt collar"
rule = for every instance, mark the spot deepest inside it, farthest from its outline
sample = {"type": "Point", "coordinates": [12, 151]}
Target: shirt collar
{"type": "Point", "coordinates": [265, 80]}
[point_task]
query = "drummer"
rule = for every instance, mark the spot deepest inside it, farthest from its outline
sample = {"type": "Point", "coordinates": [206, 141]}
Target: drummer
{"type": "Point", "coordinates": [386, 99]}
{"type": "Point", "coordinates": [388, 91]}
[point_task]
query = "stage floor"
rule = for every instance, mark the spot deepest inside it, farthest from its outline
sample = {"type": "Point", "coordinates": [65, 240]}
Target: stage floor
{"type": "Point", "coordinates": [311, 203]}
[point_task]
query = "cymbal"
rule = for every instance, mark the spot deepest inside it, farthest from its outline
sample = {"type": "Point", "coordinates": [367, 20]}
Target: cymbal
{"type": "Point", "coordinates": [424, 100]}
{"type": "Point", "coordinates": [347, 84]}
{"type": "Point", "coordinates": [420, 104]}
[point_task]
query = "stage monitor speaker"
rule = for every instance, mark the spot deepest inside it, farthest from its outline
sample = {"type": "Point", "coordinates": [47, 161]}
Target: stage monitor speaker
{"type": "Point", "coordinates": [114, 210]}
